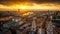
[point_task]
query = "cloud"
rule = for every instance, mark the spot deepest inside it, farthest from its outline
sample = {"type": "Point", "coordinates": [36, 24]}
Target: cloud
{"type": "Point", "coordinates": [8, 2]}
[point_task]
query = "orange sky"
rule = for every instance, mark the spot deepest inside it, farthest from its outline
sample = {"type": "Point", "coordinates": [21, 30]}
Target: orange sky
{"type": "Point", "coordinates": [31, 6]}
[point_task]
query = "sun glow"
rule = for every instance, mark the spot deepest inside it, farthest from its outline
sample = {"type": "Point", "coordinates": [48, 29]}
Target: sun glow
{"type": "Point", "coordinates": [22, 7]}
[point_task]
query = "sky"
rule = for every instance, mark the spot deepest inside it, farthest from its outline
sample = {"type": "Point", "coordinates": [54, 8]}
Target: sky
{"type": "Point", "coordinates": [7, 2]}
{"type": "Point", "coordinates": [55, 3]}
